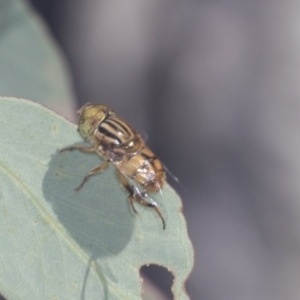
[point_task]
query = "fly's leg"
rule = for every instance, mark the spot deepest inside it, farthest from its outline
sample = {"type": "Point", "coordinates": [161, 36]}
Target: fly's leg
{"type": "Point", "coordinates": [130, 199]}
{"type": "Point", "coordinates": [129, 188]}
{"type": "Point", "coordinates": [139, 197]}
{"type": "Point", "coordinates": [92, 172]}
{"type": "Point", "coordinates": [151, 204]}
{"type": "Point", "coordinates": [81, 148]}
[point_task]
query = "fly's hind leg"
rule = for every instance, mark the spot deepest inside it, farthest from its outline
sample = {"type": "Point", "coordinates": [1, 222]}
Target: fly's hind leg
{"type": "Point", "coordinates": [92, 172]}
{"type": "Point", "coordinates": [151, 204]}
{"type": "Point", "coordinates": [139, 197]}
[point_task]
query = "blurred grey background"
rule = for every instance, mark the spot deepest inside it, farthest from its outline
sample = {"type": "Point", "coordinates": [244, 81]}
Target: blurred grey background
{"type": "Point", "coordinates": [215, 84]}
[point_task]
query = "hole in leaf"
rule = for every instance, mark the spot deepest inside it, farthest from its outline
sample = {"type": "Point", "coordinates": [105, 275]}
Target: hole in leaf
{"type": "Point", "coordinates": [156, 277]}
{"type": "Point", "coordinates": [1, 297]}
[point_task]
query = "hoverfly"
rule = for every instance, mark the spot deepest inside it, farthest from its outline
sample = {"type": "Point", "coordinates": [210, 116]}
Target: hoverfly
{"type": "Point", "coordinates": [138, 169]}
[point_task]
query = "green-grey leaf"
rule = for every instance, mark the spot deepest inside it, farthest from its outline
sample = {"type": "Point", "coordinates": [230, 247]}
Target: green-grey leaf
{"type": "Point", "coordinates": [59, 244]}
{"type": "Point", "coordinates": [31, 65]}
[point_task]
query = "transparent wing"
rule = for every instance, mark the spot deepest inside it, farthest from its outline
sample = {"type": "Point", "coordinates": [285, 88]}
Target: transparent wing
{"type": "Point", "coordinates": [143, 135]}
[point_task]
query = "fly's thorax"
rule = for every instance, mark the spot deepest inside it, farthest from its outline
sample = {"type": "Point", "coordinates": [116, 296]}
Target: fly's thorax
{"type": "Point", "coordinates": [114, 134]}
{"type": "Point", "coordinates": [134, 146]}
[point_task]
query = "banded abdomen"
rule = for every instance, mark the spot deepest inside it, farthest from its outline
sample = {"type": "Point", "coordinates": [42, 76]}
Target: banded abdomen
{"type": "Point", "coordinates": [144, 169]}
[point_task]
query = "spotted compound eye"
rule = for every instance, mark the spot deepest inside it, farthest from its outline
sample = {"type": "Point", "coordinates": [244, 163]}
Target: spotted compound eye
{"type": "Point", "coordinates": [91, 116]}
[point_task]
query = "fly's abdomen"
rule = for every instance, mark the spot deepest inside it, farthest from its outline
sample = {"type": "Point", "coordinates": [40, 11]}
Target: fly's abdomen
{"type": "Point", "coordinates": [144, 169]}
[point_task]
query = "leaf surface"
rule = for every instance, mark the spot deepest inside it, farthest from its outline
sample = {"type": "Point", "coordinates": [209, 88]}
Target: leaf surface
{"type": "Point", "coordinates": [59, 244]}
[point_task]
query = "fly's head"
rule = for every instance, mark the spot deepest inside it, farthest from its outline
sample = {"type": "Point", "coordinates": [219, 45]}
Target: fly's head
{"type": "Point", "coordinates": [90, 117]}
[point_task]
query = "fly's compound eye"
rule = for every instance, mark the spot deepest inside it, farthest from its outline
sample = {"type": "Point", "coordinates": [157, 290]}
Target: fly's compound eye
{"type": "Point", "coordinates": [91, 116]}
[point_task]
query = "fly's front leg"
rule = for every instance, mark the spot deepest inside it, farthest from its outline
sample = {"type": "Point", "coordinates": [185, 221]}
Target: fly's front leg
{"type": "Point", "coordinates": [92, 172]}
{"type": "Point", "coordinates": [81, 148]}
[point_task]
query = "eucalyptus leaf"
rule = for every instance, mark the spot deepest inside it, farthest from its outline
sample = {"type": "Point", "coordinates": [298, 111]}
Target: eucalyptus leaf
{"type": "Point", "coordinates": [31, 65]}
{"type": "Point", "coordinates": [56, 243]}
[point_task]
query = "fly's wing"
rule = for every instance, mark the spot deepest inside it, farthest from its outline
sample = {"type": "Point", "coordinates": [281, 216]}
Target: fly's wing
{"type": "Point", "coordinates": [174, 177]}
{"type": "Point", "coordinates": [143, 135]}
{"type": "Point", "coordinates": [136, 189]}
